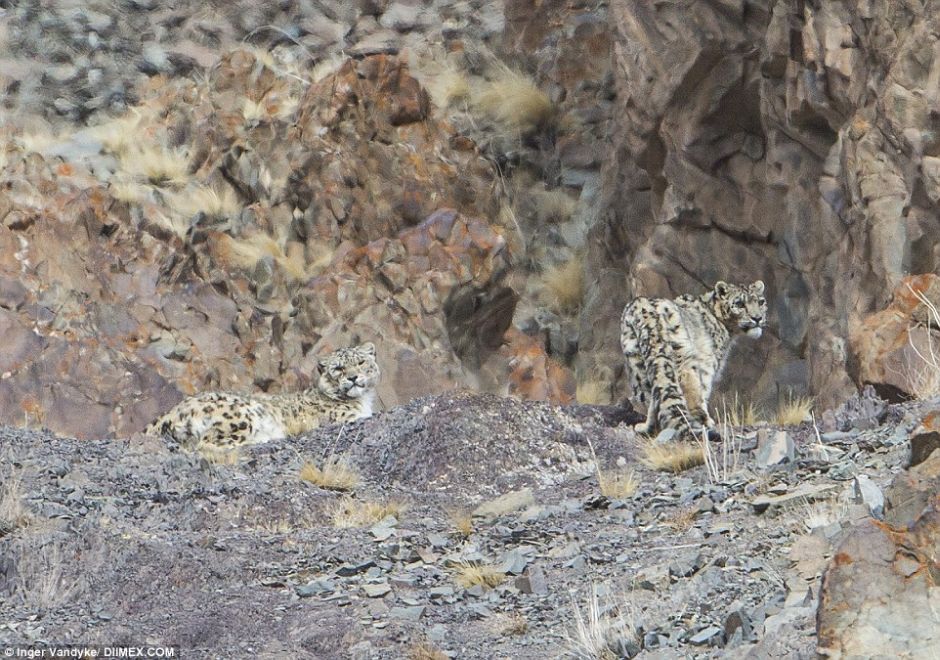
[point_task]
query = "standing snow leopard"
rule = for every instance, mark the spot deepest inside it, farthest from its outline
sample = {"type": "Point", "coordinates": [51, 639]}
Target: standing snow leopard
{"type": "Point", "coordinates": [676, 350]}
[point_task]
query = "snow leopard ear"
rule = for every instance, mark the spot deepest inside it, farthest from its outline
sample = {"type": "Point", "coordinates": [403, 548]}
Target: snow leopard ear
{"type": "Point", "coordinates": [369, 348]}
{"type": "Point", "coordinates": [721, 288]}
{"type": "Point", "coordinates": [321, 365]}
{"type": "Point", "coordinates": [758, 287]}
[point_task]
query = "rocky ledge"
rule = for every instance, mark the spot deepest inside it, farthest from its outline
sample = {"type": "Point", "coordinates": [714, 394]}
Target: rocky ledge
{"type": "Point", "coordinates": [475, 526]}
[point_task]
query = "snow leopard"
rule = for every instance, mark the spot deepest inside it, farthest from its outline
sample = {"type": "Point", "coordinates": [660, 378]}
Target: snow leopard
{"type": "Point", "coordinates": [676, 349]}
{"type": "Point", "coordinates": [344, 391]}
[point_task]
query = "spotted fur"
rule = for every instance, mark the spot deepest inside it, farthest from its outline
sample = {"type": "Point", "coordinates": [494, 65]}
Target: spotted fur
{"type": "Point", "coordinates": [676, 349]}
{"type": "Point", "coordinates": [345, 391]}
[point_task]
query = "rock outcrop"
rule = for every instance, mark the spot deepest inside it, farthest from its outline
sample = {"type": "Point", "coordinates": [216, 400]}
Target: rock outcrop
{"type": "Point", "coordinates": [880, 593]}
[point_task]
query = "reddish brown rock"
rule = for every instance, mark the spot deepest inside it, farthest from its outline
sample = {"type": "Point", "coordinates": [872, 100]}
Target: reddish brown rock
{"type": "Point", "coordinates": [897, 350]}
{"type": "Point", "coordinates": [880, 593]}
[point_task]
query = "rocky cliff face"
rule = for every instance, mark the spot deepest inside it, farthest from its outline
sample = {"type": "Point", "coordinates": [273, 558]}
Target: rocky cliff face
{"type": "Point", "coordinates": [791, 141]}
{"type": "Point", "coordinates": [483, 185]}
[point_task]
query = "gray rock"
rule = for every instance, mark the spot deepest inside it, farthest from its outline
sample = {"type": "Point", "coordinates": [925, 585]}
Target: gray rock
{"type": "Point", "coordinates": [705, 636]}
{"type": "Point", "coordinates": [774, 450]}
{"type": "Point", "coordinates": [407, 613]}
{"type": "Point", "coordinates": [869, 494]}
{"type": "Point", "coordinates": [376, 590]}
{"type": "Point", "coordinates": [532, 582]}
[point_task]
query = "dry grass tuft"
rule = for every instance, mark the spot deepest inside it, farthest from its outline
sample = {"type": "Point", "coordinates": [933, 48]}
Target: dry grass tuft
{"type": "Point", "coordinates": [12, 512]}
{"type": "Point", "coordinates": [681, 520]}
{"type": "Point", "coordinates": [469, 575]}
{"type": "Point", "coordinates": [462, 520]}
{"type": "Point", "coordinates": [448, 86]}
{"type": "Point", "coordinates": [795, 410]}
{"type": "Point", "coordinates": [121, 135]}
{"type": "Point", "coordinates": [600, 635]}
{"type": "Point", "coordinates": [129, 192]}
{"type": "Point", "coordinates": [40, 578]}
{"type": "Point", "coordinates": [617, 485]}
{"type": "Point", "coordinates": [219, 455]}
{"type": "Point", "coordinates": [593, 392]}
{"type": "Point", "coordinates": [671, 457]}
{"type": "Point", "coordinates": [426, 651]}
{"type": "Point", "coordinates": [552, 206]}
{"type": "Point", "coordinates": [739, 412]}
{"type": "Point", "coordinates": [203, 199]}
{"type": "Point", "coordinates": [513, 101]}
{"type": "Point", "coordinates": [156, 165]}
{"type": "Point", "coordinates": [350, 512]}
{"type": "Point", "coordinates": [334, 473]}
{"type": "Point", "coordinates": [925, 376]}
{"type": "Point", "coordinates": [507, 625]}
{"type": "Point", "coordinates": [564, 285]}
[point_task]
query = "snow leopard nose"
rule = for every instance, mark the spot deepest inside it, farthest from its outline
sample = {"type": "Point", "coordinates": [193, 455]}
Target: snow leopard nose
{"type": "Point", "coordinates": [757, 319]}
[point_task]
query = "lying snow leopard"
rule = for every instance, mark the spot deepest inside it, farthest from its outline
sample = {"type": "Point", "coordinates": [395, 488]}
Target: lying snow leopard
{"type": "Point", "coordinates": [676, 349]}
{"type": "Point", "coordinates": [345, 391]}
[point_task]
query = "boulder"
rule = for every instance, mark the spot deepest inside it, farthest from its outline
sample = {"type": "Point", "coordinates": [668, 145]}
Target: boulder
{"type": "Point", "coordinates": [897, 350]}
{"type": "Point", "coordinates": [880, 591]}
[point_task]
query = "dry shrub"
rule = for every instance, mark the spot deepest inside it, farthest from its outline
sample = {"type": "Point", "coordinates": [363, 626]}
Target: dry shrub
{"type": "Point", "coordinates": [426, 651]}
{"type": "Point", "coordinates": [513, 101]}
{"type": "Point", "coordinates": [601, 635]}
{"type": "Point", "coordinates": [468, 575]}
{"type": "Point", "coordinates": [924, 376]}
{"type": "Point", "coordinates": [681, 520]}
{"type": "Point", "coordinates": [794, 410]}
{"type": "Point", "coordinates": [671, 456]}
{"type": "Point", "coordinates": [333, 473]}
{"type": "Point", "coordinates": [564, 285]}
{"type": "Point", "coordinates": [12, 512]}
{"type": "Point", "coordinates": [40, 578]}
{"type": "Point", "coordinates": [350, 512]}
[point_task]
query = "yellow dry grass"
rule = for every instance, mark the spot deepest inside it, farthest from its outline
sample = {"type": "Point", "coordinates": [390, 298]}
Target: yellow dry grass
{"type": "Point", "coordinates": [219, 455]}
{"type": "Point", "coordinates": [333, 473]}
{"type": "Point", "coordinates": [129, 192]}
{"type": "Point", "coordinates": [425, 651]}
{"type": "Point", "coordinates": [592, 392]}
{"type": "Point", "coordinates": [551, 206]}
{"type": "Point", "coordinates": [157, 165]}
{"type": "Point", "coordinates": [740, 413]}
{"type": "Point", "coordinates": [681, 520]}
{"type": "Point", "coordinates": [513, 101]}
{"type": "Point", "coordinates": [12, 512]}
{"type": "Point", "coordinates": [508, 625]}
{"type": "Point", "coordinates": [468, 575]}
{"type": "Point", "coordinates": [199, 198]}
{"type": "Point", "coordinates": [794, 410]}
{"type": "Point", "coordinates": [351, 512]}
{"type": "Point", "coordinates": [672, 456]}
{"type": "Point", "coordinates": [564, 285]}
{"type": "Point", "coordinates": [120, 135]}
{"type": "Point", "coordinates": [462, 520]}
{"type": "Point", "coordinates": [617, 485]}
